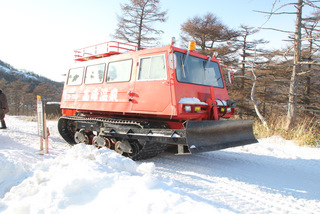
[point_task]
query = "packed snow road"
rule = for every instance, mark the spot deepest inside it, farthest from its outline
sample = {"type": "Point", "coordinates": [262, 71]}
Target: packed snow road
{"type": "Point", "coordinates": [273, 176]}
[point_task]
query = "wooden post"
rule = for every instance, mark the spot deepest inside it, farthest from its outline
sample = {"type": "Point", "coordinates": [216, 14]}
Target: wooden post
{"type": "Point", "coordinates": [43, 131]}
{"type": "Point", "coordinates": [41, 144]}
{"type": "Point", "coordinates": [46, 134]}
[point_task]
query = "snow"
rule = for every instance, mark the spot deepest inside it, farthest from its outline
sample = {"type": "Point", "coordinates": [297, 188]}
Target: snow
{"type": "Point", "coordinates": [273, 176]}
{"type": "Point", "coordinates": [53, 103]}
{"type": "Point", "coordinates": [196, 101]}
{"type": "Point", "coordinates": [5, 69]}
{"type": "Point", "coordinates": [17, 73]}
{"type": "Point", "coordinates": [221, 103]}
{"type": "Point", "coordinates": [191, 101]}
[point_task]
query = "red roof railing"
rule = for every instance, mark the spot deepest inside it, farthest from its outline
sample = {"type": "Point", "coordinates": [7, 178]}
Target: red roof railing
{"type": "Point", "coordinates": [103, 50]}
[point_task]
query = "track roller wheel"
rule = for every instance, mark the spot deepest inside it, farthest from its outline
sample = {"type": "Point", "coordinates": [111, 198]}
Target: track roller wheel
{"type": "Point", "coordinates": [129, 149]}
{"type": "Point", "coordinates": [100, 142]}
{"type": "Point", "coordinates": [81, 137]}
{"type": "Point", "coordinates": [136, 148]}
{"type": "Point", "coordinates": [123, 147]}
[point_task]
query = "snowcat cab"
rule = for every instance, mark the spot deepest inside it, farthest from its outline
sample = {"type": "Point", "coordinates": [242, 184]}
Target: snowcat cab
{"type": "Point", "coordinates": [139, 102]}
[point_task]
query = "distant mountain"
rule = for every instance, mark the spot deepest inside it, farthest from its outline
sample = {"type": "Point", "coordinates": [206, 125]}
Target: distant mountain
{"type": "Point", "coordinates": [10, 74]}
{"type": "Point", "coordinates": [21, 88]}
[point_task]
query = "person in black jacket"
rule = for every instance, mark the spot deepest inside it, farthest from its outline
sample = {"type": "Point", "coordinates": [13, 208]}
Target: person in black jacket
{"type": "Point", "coordinates": [3, 109]}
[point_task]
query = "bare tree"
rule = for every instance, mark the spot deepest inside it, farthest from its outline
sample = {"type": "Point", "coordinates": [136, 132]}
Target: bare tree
{"type": "Point", "coordinates": [292, 104]}
{"type": "Point", "coordinates": [297, 59]}
{"type": "Point", "coordinates": [253, 89]}
{"type": "Point", "coordinates": [136, 22]}
{"type": "Point", "coordinates": [311, 34]}
{"type": "Point", "coordinates": [248, 48]}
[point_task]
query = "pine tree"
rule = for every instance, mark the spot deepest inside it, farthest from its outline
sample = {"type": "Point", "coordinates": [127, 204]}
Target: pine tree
{"type": "Point", "coordinates": [135, 25]}
{"type": "Point", "coordinates": [206, 31]}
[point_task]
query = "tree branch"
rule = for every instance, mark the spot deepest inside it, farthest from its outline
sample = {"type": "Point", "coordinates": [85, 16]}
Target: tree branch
{"type": "Point", "coordinates": [309, 63]}
{"type": "Point", "coordinates": [273, 13]}
{"type": "Point", "coordinates": [283, 31]}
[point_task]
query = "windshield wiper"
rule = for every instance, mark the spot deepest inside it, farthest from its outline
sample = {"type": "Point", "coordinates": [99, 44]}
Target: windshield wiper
{"type": "Point", "coordinates": [205, 66]}
{"type": "Point", "coordinates": [182, 66]}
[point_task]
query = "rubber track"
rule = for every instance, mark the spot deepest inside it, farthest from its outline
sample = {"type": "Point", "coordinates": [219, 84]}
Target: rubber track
{"type": "Point", "coordinates": [66, 132]}
{"type": "Point", "coordinates": [149, 149]}
{"type": "Point", "coordinates": [105, 120]}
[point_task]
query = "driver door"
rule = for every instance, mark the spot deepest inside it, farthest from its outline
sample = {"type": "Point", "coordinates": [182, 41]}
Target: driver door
{"type": "Point", "coordinates": [152, 87]}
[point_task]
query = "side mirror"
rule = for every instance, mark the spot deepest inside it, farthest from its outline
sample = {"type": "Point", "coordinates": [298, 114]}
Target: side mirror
{"type": "Point", "coordinates": [230, 78]}
{"type": "Point", "coordinates": [172, 61]}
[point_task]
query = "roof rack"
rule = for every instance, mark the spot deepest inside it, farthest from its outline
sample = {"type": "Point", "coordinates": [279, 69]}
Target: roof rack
{"type": "Point", "coordinates": [105, 49]}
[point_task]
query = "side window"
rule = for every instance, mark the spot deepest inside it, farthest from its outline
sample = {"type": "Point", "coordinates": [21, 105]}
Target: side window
{"type": "Point", "coordinates": [152, 68]}
{"type": "Point", "coordinates": [75, 76]}
{"type": "Point", "coordinates": [94, 74]}
{"type": "Point", "coordinates": [119, 71]}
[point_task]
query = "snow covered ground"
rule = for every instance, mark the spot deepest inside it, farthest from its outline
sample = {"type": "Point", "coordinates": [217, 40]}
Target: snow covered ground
{"type": "Point", "coordinates": [273, 176]}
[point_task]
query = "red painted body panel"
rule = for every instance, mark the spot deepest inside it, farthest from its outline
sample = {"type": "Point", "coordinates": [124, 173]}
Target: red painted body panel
{"type": "Point", "coordinates": [141, 98]}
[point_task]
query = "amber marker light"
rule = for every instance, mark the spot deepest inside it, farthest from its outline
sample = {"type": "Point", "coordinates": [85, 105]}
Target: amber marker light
{"type": "Point", "coordinates": [192, 46]}
{"type": "Point", "coordinates": [197, 108]}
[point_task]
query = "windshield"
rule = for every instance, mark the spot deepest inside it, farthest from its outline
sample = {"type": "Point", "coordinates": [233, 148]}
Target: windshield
{"type": "Point", "coordinates": [194, 70]}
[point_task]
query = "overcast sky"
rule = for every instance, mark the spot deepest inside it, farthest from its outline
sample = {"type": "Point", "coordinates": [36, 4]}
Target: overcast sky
{"type": "Point", "coordinates": [40, 35]}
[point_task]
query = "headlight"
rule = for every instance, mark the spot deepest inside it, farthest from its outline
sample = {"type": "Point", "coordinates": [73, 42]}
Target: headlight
{"type": "Point", "coordinates": [187, 108]}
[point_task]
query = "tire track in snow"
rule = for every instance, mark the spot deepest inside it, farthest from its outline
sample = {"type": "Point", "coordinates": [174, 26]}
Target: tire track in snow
{"type": "Point", "coordinates": [228, 180]}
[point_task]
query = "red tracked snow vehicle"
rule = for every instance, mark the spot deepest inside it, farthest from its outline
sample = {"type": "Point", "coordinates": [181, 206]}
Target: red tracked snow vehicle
{"type": "Point", "coordinates": [139, 102]}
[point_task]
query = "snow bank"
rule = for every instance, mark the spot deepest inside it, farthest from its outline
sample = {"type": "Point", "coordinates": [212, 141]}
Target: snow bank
{"type": "Point", "coordinates": [272, 176]}
{"type": "Point", "coordinates": [11, 173]}
{"type": "Point", "coordinates": [276, 146]}
{"type": "Point", "coordinates": [88, 180]}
